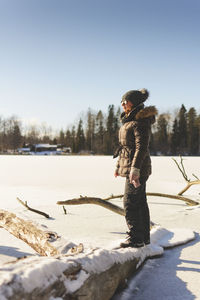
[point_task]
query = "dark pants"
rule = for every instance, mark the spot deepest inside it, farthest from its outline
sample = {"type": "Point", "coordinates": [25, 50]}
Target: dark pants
{"type": "Point", "coordinates": [137, 211]}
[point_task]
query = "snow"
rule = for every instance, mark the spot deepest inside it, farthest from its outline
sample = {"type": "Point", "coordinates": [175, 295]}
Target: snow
{"type": "Point", "coordinates": [42, 181]}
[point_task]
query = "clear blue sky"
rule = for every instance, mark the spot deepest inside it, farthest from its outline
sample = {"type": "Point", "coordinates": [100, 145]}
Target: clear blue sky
{"type": "Point", "coordinates": [60, 57]}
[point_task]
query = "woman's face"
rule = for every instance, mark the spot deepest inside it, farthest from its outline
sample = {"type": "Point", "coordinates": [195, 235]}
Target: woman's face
{"type": "Point", "coordinates": [127, 106]}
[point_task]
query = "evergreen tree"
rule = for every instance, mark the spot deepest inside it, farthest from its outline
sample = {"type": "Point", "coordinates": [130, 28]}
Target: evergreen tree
{"type": "Point", "coordinates": [80, 137]}
{"type": "Point", "coordinates": [162, 144]}
{"type": "Point", "coordinates": [90, 128]}
{"type": "Point", "coordinates": [192, 132]}
{"type": "Point", "coordinates": [110, 131]}
{"type": "Point", "coordinates": [198, 126]}
{"type": "Point", "coordinates": [16, 137]}
{"type": "Point", "coordinates": [73, 139]}
{"type": "Point", "coordinates": [174, 141]}
{"type": "Point", "coordinates": [61, 139]}
{"type": "Point", "coordinates": [99, 133]}
{"type": "Point", "coordinates": [182, 129]}
{"type": "Point", "coordinates": [68, 139]}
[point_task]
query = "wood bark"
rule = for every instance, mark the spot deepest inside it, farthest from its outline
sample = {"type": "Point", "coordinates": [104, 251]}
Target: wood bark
{"type": "Point", "coordinates": [25, 230]}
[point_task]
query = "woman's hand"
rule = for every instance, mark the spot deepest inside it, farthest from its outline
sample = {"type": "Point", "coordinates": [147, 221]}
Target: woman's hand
{"type": "Point", "coordinates": [116, 174]}
{"type": "Point", "coordinates": [134, 177]}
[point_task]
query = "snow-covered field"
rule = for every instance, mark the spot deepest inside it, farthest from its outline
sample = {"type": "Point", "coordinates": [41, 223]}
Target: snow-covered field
{"type": "Point", "coordinates": [44, 180]}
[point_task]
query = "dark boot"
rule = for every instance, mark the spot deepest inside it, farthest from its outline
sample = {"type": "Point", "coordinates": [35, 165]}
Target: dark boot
{"type": "Point", "coordinates": [130, 242]}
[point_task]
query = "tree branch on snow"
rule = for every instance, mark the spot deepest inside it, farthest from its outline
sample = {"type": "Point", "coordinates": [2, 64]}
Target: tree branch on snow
{"type": "Point", "coordinates": [97, 201]}
{"type": "Point", "coordinates": [116, 209]}
{"type": "Point", "coordinates": [189, 182]}
{"type": "Point", "coordinates": [26, 231]}
{"type": "Point", "coordinates": [64, 209]}
{"type": "Point", "coordinates": [181, 168]}
{"type": "Point", "coordinates": [93, 200]}
{"type": "Point", "coordinates": [188, 186]}
{"type": "Point", "coordinates": [33, 210]}
{"type": "Point", "coordinates": [187, 200]}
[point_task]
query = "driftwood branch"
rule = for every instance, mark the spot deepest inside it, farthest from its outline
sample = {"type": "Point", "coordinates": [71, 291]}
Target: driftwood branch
{"type": "Point", "coordinates": [187, 200]}
{"type": "Point", "coordinates": [197, 178]}
{"type": "Point", "coordinates": [93, 200]}
{"type": "Point", "coordinates": [26, 231]}
{"type": "Point", "coordinates": [189, 182]}
{"type": "Point", "coordinates": [104, 202]}
{"type": "Point", "coordinates": [98, 201]}
{"type": "Point", "coordinates": [33, 210]}
{"type": "Point", "coordinates": [188, 186]}
{"type": "Point", "coordinates": [181, 168]}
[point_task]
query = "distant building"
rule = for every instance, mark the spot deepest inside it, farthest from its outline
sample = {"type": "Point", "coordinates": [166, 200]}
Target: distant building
{"type": "Point", "coordinates": [24, 150]}
{"type": "Point", "coordinates": [45, 149]}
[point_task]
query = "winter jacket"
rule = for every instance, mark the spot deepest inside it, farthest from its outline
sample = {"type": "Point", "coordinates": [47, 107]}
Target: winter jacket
{"type": "Point", "coordinates": [134, 136]}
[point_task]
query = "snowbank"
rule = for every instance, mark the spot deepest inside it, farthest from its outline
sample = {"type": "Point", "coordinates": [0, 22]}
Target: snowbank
{"type": "Point", "coordinates": [35, 275]}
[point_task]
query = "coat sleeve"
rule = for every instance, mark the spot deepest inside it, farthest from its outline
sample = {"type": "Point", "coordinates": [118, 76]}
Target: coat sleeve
{"type": "Point", "coordinates": [142, 136]}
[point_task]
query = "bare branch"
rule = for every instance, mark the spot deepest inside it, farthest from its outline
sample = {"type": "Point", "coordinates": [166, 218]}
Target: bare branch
{"type": "Point", "coordinates": [65, 211]}
{"type": "Point", "coordinates": [178, 197]}
{"type": "Point", "coordinates": [113, 197]}
{"type": "Point", "coordinates": [188, 186]}
{"type": "Point", "coordinates": [189, 183]}
{"type": "Point", "coordinates": [181, 169]}
{"type": "Point", "coordinates": [195, 176]}
{"type": "Point", "coordinates": [92, 200]}
{"type": "Point", "coordinates": [33, 210]}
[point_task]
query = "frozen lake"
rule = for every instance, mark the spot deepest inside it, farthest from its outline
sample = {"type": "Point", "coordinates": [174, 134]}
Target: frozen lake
{"type": "Point", "coordinates": [48, 179]}
{"type": "Point", "coordinates": [44, 180]}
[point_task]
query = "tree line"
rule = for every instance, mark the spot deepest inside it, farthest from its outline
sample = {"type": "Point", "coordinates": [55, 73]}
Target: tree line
{"type": "Point", "coordinates": [97, 133]}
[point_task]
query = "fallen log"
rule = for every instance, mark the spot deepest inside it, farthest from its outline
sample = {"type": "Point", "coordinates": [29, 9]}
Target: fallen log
{"type": "Point", "coordinates": [92, 275]}
{"type": "Point", "coordinates": [26, 231]}
{"type": "Point", "coordinates": [67, 273]}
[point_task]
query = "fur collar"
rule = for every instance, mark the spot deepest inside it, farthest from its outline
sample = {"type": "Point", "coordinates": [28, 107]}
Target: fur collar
{"type": "Point", "coordinates": [149, 111]}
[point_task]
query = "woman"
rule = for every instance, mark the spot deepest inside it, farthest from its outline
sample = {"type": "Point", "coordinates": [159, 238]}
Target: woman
{"type": "Point", "coordinates": [134, 163]}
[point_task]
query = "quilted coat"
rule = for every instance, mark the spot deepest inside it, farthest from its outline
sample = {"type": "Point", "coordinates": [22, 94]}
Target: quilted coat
{"type": "Point", "coordinates": [134, 137]}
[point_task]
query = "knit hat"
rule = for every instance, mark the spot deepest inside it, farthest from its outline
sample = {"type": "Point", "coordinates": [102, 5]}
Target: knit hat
{"type": "Point", "coordinates": [136, 96]}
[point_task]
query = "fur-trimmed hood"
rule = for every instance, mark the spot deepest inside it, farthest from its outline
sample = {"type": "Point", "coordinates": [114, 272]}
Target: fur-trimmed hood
{"type": "Point", "coordinates": [140, 112]}
{"type": "Point", "coordinates": [146, 112]}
